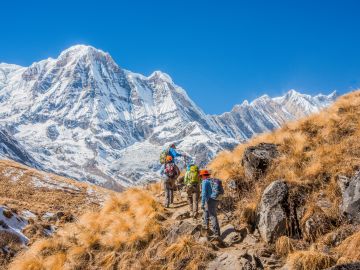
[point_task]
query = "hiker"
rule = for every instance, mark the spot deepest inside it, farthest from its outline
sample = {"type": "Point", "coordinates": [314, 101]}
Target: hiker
{"type": "Point", "coordinates": [212, 190]}
{"type": "Point", "coordinates": [192, 183]}
{"type": "Point", "coordinates": [171, 172]}
{"type": "Point", "coordinates": [173, 153]}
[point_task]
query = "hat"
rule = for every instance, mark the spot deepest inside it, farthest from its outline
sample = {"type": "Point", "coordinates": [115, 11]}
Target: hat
{"type": "Point", "coordinates": [204, 173]}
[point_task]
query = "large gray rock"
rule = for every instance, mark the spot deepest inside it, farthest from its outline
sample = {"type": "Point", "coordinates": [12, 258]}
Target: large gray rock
{"type": "Point", "coordinates": [272, 218]}
{"type": "Point", "coordinates": [351, 197]}
{"type": "Point", "coordinates": [182, 228]}
{"type": "Point", "coordinates": [231, 236]}
{"type": "Point", "coordinates": [257, 159]}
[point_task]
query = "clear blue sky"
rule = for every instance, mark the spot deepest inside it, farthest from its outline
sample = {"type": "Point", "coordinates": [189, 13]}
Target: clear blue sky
{"type": "Point", "coordinates": [221, 52]}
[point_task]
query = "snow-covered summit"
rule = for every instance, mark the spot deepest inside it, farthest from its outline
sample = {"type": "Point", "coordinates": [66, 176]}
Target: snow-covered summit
{"type": "Point", "coordinates": [83, 116]}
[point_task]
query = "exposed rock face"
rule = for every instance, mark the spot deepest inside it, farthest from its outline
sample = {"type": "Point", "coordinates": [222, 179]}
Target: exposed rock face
{"type": "Point", "coordinates": [183, 228]}
{"type": "Point", "coordinates": [351, 198]}
{"type": "Point", "coordinates": [257, 159]}
{"type": "Point", "coordinates": [272, 218]}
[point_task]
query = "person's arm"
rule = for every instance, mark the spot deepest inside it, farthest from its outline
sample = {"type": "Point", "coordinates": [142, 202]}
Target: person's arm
{"type": "Point", "coordinates": [174, 153]}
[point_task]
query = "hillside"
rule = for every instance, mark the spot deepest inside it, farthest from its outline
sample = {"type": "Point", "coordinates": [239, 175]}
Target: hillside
{"type": "Point", "coordinates": [316, 161]}
{"type": "Point", "coordinates": [35, 204]}
{"type": "Point", "coordinates": [292, 202]}
{"type": "Point", "coordinates": [83, 116]}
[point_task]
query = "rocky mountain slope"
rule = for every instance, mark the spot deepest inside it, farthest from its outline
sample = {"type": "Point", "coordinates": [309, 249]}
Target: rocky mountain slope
{"type": "Point", "coordinates": [82, 116]}
{"type": "Point", "coordinates": [291, 202]}
{"type": "Point", "coordinates": [35, 204]}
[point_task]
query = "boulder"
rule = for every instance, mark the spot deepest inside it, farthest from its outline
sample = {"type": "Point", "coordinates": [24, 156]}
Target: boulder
{"type": "Point", "coordinates": [272, 217]}
{"type": "Point", "coordinates": [350, 206]}
{"type": "Point", "coordinates": [257, 159]}
{"type": "Point", "coordinates": [231, 236]}
{"type": "Point", "coordinates": [182, 228]}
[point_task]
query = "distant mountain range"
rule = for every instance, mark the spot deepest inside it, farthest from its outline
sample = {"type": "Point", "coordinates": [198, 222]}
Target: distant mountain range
{"type": "Point", "coordinates": [84, 117]}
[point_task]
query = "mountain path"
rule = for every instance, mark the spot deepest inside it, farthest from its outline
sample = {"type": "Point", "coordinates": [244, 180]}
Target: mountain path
{"type": "Point", "coordinates": [239, 249]}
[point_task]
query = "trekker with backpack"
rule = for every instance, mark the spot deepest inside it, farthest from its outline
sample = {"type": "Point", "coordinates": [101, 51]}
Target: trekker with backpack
{"type": "Point", "coordinates": [192, 183]}
{"type": "Point", "coordinates": [212, 190]}
{"type": "Point", "coordinates": [171, 172]}
{"type": "Point", "coordinates": [170, 151]}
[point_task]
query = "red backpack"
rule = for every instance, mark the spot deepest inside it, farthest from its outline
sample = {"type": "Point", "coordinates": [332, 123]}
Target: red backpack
{"type": "Point", "coordinates": [171, 170]}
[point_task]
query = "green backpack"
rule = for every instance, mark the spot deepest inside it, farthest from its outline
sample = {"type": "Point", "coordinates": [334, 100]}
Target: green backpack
{"type": "Point", "coordinates": [193, 175]}
{"type": "Point", "coordinates": [163, 155]}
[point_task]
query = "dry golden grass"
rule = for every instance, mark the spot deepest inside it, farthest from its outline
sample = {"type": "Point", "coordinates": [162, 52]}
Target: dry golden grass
{"type": "Point", "coordinates": [313, 152]}
{"type": "Point", "coordinates": [127, 233]}
{"type": "Point", "coordinates": [20, 190]}
{"type": "Point", "coordinates": [284, 245]}
{"type": "Point", "coordinates": [309, 260]}
{"type": "Point", "coordinates": [349, 249]}
{"type": "Point", "coordinates": [186, 254]}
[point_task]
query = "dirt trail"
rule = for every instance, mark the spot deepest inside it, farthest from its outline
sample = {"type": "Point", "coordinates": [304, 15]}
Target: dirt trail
{"type": "Point", "coordinates": [239, 248]}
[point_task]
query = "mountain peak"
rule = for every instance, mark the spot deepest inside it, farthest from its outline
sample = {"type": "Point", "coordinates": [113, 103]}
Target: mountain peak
{"type": "Point", "coordinates": [81, 50]}
{"type": "Point", "coordinates": [293, 92]}
{"type": "Point", "coordinates": [159, 75]}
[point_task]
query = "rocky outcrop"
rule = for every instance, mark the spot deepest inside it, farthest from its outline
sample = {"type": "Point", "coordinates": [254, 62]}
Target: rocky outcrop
{"type": "Point", "coordinates": [350, 188]}
{"type": "Point", "coordinates": [272, 213]}
{"type": "Point", "coordinates": [183, 228]}
{"type": "Point", "coordinates": [257, 159]}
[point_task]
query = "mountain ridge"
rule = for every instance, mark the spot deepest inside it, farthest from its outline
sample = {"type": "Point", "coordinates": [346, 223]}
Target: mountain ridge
{"type": "Point", "coordinates": [84, 115]}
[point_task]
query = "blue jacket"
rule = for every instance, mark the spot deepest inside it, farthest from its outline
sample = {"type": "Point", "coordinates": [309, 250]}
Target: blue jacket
{"type": "Point", "coordinates": [207, 191]}
{"type": "Point", "coordinates": [173, 153]}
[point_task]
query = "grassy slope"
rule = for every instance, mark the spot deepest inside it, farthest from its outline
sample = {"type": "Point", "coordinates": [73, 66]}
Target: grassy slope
{"type": "Point", "coordinates": [24, 188]}
{"type": "Point", "coordinates": [129, 231]}
{"type": "Point", "coordinates": [314, 152]}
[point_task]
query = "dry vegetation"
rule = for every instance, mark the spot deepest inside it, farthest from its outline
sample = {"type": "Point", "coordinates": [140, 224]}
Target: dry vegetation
{"type": "Point", "coordinates": [128, 233]}
{"type": "Point", "coordinates": [314, 152]}
{"type": "Point", "coordinates": [24, 188]}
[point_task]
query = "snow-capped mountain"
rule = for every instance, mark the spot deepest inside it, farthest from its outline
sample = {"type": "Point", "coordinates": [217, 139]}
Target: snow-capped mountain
{"type": "Point", "coordinates": [83, 116]}
{"type": "Point", "coordinates": [11, 148]}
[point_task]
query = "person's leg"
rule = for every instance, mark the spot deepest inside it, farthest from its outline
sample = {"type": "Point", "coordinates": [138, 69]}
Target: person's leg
{"type": "Point", "coordinates": [206, 217]}
{"type": "Point", "coordinates": [167, 195]}
{"type": "Point", "coordinates": [172, 190]}
{"type": "Point", "coordinates": [196, 200]}
{"type": "Point", "coordinates": [190, 199]}
{"type": "Point", "coordinates": [212, 206]}
{"type": "Point", "coordinates": [190, 202]}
